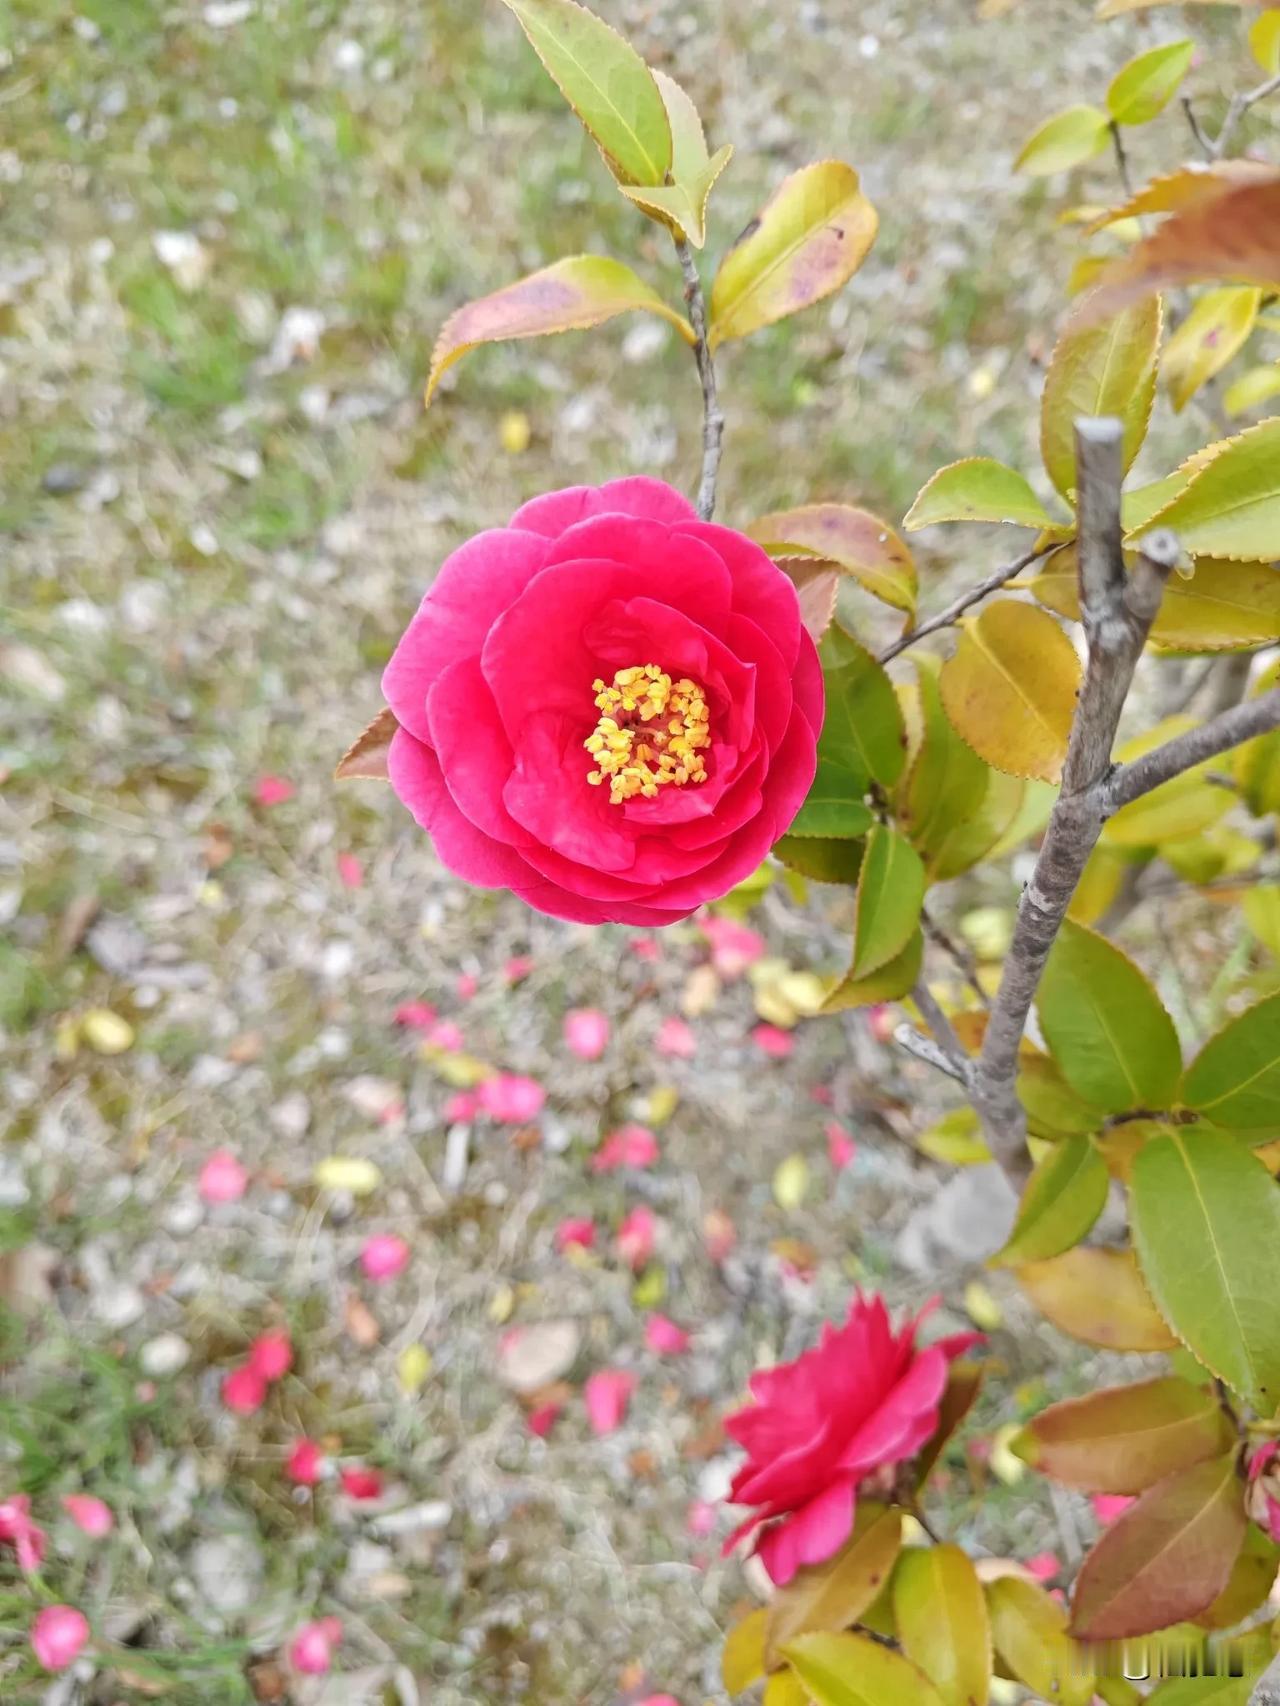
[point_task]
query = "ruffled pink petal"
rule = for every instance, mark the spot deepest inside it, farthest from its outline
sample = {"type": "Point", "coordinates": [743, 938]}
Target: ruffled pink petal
{"type": "Point", "coordinates": [554, 512]}
{"type": "Point", "coordinates": [473, 750]}
{"type": "Point", "coordinates": [813, 1534]}
{"type": "Point", "coordinates": [475, 585]}
{"type": "Point", "coordinates": [652, 560]}
{"type": "Point", "coordinates": [760, 589]}
{"type": "Point", "coordinates": [886, 1436]}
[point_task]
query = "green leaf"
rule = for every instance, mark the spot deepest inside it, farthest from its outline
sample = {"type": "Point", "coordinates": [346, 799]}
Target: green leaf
{"type": "Point", "coordinates": [821, 858]}
{"type": "Point", "coordinates": [742, 1657]}
{"type": "Point", "coordinates": [941, 1616]}
{"type": "Point", "coordinates": [1103, 369]}
{"type": "Point", "coordinates": [956, 1140]}
{"type": "Point", "coordinates": [947, 781]}
{"type": "Point", "coordinates": [857, 542]}
{"type": "Point", "coordinates": [809, 238]}
{"type": "Point", "coordinates": [1255, 386]}
{"type": "Point", "coordinates": [1127, 1438]}
{"type": "Point", "coordinates": [1010, 689]}
{"type": "Point", "coordinates": [853, 1670]}
{"type": "Point", "coordinates": [1248, 1585]}
{"type": "Point", "coordinates": [887, 983]}
{"type": "Point", "coordinates": [1217, 327]}
{"type": "Point", "coordinates": [976, 489]}
{"type": "Point", "coordinates": [834, 806]}
{"type": "Point", "coordinates": [1235, 1079]}
{"type": "Point", "coordinates": [1051, 1104]}
{"type": "Point", "coordinates": [862, 730]}
{"type": "Point", "coordinates": [569, 296]}
{"type": "Point", "coordinates": [973, 838]}
{"type": "Point", "coordinates": [1063, 1197]}
{"type": "Point", "coordinates": [1231, 505]}
{"type": "Point", "coordinates": [1261, 907]}
{"type": "Point", "coordinates": [1067, 139]}
{"type": "Point", "coordinates": [1143, 88]}
{"type": "Point", "coordinates": [1166, 1558]}
{"type": "Point", "coordinates": [890, 895]}
{"type": "Point", "coordinates": [1204, 1691]}
{"type": "Point", "coordinates": [1106, 1026]}
{"type": "Point", "coordinates": [829, 1597]}
{"type": "Point", "coordinates": [1098, 1297]}
{"type": "Point", "coordinates": [1029, 1632]}
{"type": "Point", "coordinates": [682, 204]}
{"type": "Point", "coordinates": [606, 83]}
{"type": "Point", "coordinates": [1206, 1226]}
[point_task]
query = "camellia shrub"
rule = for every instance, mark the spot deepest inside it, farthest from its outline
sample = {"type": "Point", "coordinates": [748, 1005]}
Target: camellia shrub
{"type": "Point", "coordinates": [621, 709]}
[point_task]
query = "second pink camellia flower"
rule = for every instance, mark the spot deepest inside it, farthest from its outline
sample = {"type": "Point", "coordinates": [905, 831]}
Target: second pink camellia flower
{"type": "Point", "coordinates": [608, 706]}
{"type": "Point", "coordinates": [864, 1398]}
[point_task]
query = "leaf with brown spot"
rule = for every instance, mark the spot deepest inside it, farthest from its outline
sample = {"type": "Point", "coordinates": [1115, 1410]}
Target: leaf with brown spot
{"type": "Point", "coordinates": [367, 754]}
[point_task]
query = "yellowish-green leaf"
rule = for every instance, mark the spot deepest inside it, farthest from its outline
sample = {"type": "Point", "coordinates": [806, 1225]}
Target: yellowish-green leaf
{"type": "Point", "coordinates": [106, 1032]}
{"type": "Point", "coordinates": [941, 1616]}
{"type": "Point", "coordinates": [1029, 1633]}
{"type": "Point", "coordinates": [1264, 40]}
{"type": "Point", "coordinates": [976, 489]}
{"type": "Point", "coordinates": [784, 1688]}
{"type": "Point", "coordinates": [1184, 806]}
{"type": "Point", "coordinates": [606, 83]}
{"type": "Point", "coordinates": [1053, 1107]}
{"type": "Point", "coordinates": [1235, 1079]}
{"type": "Point", "coordinates": [973, 838]}
{"type": "Point", "coordinates": [809, 238]}
{"type": "Point", "coordinates": [1255, 386]}
{"type": "Point", "coordinates": [1097, 1296]}
{"type": "Point", "coordinates": [1261, 906]}
{"type": "Point", "coordinates": [1217, 327]}
{"type": "Point", "coordinates": [1231, 506]}
{"type": "Point", "coordinates": [955, 1139]}
{"type": "Point", "coordinates": [823, 859]}
{"type": "Point", "coordinates": [1010, 689]}
{"type": "Point", "coordinates": [1067, 139]}
{"type": "Point", "coordinates": [1100, 884]}
{"type": "Point", "coordinates": [831, 1596]}
{"type": "Point", "coordinates": [1144, 87]}
{"type": "Point", "coordinates": [856, 541]}
{"type": "Point", "coordinates": [887, 983]}
{"type": "Point", "coordinates": [1126, 1438]}
{"type": "Point", "coordinates": [568, 296]}
{"type": "Point", "coordinates": [742, 1657]}
{"type": "Point", "coordinates": [1222, 606]}
{"type": "Point", "coordinates": [1108, 1031]}
{"type": "Point", "coordinates": [834, 806]}
{"type": "Point", "coordinates": [1063, 1197]}
{"type": "Point", "coordinates": [947, 781]}
{"type": "Point", "coordinates": [1206, 1225]}
{"type": "Point", "coordinates": [1107, 368]}
{"type": "Point", "coordinates": [1248, 1585]}
{"type": "Point", "coordinates": [853, 1670]}
{"type": "Point", "coordinates": [890, 895]}
{"type": "Point", "coordinates": [682, 204]}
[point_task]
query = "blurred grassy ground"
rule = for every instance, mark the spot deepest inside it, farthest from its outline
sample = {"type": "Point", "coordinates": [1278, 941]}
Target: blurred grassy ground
{"type": "Point", "coordinates": [219, 501]}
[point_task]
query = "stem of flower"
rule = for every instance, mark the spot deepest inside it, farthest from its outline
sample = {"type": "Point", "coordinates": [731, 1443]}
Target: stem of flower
{"type": "Point", "coordinates": [712, 415]}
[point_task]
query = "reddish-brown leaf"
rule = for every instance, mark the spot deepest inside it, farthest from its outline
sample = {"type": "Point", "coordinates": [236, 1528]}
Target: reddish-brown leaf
{"type": "Point", "coordinates": [1127, 1438]}
{"type": "Point", "coordinates": [367, 754]}
{"type": "Point", "coordinates": [1168, 1557]}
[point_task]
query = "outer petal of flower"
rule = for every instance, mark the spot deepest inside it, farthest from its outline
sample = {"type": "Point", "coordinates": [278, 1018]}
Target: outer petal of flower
{"type": "Point", "coordinates": [554, 512]}
{"type": "Point", "coordinates": [811, 1535]}
{"type": "Point", "coordinates": [760, 588]}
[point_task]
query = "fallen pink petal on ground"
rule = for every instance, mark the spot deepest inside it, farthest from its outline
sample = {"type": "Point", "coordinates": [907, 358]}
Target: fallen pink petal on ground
{"type": "Point", "coordinates": [383, 1257]}
{"type": "Point", "coordinates": [586, 1032]}
{"type": "Point", "coordinates": [578, 1230]}
{"type": "Point", "coordinates": [661, 1334]}
{"type": "Point", "coordinates": [59, 1635]}
{"type": "Point", "coordinates": [510, 1098]}
{"type": "Point", "coordinates": [271, 1355]}
{"type": "Point", "coordinates": [607, 1395]}
{"type": "Point", "coordinates": [222, 1178]}
{"type": "Point", "coordinates": [311, 1649]}
{"type": "Point", "coordinates": [90, 1515]}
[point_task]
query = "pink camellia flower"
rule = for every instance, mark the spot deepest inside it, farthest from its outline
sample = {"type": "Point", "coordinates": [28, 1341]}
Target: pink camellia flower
{"type": "Point", "coordinates": [305, 1463]}
{"type": "Point", "coordinates": [21, 1532]}
{"type": "Point", "coordinates": [734, 946]}
{"type": "Point", "coordinates": [462, 1106]}
{"type": "Point", "coordinates": [840, 1146]}
{"type": "Point", "coordinates": [383, 1257]}
{"type": "Point", "coordinates": [607, 1395]}
{"type": "Point", "coordinates": [272, 791]}
{"type": "Point", "coordinates": [416, 1015]}
{"type": "Point", "coordinates": [608, 706]}
{"type": "Point", "coordinates": [244, 1390]}
{"type": "Point", "coordinates": [580, 1232]}
{"type": "Point", "coordinates": [773, 1041]}
{"type": "Point", "coordinates": [222, 1178]}
{"type": "Point", "coordinates": [311, 1650]}
{"type": "Point", "coordinates": [676, 1038]}
{"type": "Point", "coordinates": [662, 1335]}
{"type": "Point", "coordinates": [636, 1237]}
{"type": "Point", "coordinates": [586, 1031]}
{"type": "Point", "coordinates": [359, 1482]}
{"type": "Point", "coordinates": [510, 1098]}
{"type": "Point", "coordinates": [630, 1146]}
{"type": "Point", "coordinates": [90, 1515]}
{"type": "Point", "coordinates": [1263, 1497]}
{"type": "Point", "coordinates": [271, 1355]}
{"type": "Point", "coordinates": [59, 1635]}
{"type": "Point", "coordinates": [863, 1398]}
{"type": "Point", "coordinates": [1108, 1506]}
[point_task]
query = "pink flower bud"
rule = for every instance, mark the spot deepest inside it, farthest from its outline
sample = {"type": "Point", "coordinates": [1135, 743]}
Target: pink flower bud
{"type": "Point", "coordinates": [586, 1031]}
{"type": "Point", "coordinates": [59, 1636]}
{"type": "Point", "coordinates": [311, 1650]}
{"type": "Point", "coordinates": [222, 1178]}
{"type": "Point", "coordinates": [271, 1355]}
{"type": "Point", "coordinates": [660, 1700]}
{"type": "Point", "coordinates": [1108, 1506]}
{"type": "Point", "coordinates": [607, 1395]}
{"type": "Point", "coordinates": [244, 1390]}
{"type": "Point", "coordinates": [305, 1463]}
{"type": "Point", "coordinates": [383, 1257]}
{"type": "Point", "coordinates": [361, 1483]}
{"type": "Point", "coordinates": [676, 1038]}
{"type": "Point", "coordinates": [881, 1022]}
{"type": "Point", "coordinates": [1044, 1566]}
{"type": "Point", "coordinates": [581, 1232]}
{"type": "Point", "coordinates": [90, 1515]}
{"type": "Point", "coordinates": [636, 1238]}
{"type": "Point", "coordinates": [645, 947]}
{"type": "Point", "coordinates": [734, 946]}
{"type": "Point", "coordinates": [700, 1519]}
{"type": "Point", "coordinates": [662, 1335]}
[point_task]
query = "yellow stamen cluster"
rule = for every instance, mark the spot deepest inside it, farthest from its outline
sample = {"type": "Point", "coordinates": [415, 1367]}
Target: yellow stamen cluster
{"type": "Point", "coordinates": [650, 734]}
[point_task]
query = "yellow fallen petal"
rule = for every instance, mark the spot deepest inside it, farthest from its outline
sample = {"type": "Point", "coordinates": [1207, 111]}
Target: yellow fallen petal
{"type": "Point", "coordinates": [502, 1305]}
{"type": "Point", "coordinates": [106, 1032]}
{"type": "Point", "coordinates": [663, 1101]}
{"type": "Point", "coordinates": [413, 1365]}
{"type": "Point", "coordinates": [982, 1308]}
{"type": "Point", "coordinates": [351, 1173]}
{"type": "Point", "coordinates": [791, 1182]}
{"type": "Point", "coordinates": [1004, 1464]}
{"type": "Point", "coordinates": [514, 432]}
{"type": "Point", "coordinates": [650, 1289]}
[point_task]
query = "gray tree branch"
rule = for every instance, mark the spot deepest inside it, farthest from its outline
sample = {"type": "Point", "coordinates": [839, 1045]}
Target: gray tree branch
{"type": "Point", "coordinates": [1266, 1691]}
{"type": "Point", "coordinates": [1257, 716]}
{"type": "Point", "coordinates": [712, 415]}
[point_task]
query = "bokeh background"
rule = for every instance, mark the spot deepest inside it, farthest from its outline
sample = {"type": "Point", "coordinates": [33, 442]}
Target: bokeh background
{"type": "Point", "coordinates": [230, 233]}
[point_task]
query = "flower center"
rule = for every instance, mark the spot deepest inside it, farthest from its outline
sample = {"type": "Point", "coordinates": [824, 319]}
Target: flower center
{"type": "Point", "coordinates": [650, 733]}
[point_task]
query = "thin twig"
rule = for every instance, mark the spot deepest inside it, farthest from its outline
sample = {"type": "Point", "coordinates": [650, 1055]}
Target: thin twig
{"type": "Point", "coordinates": [1197, 130]}
{"type": "Point", "coordinates": [1257, 716]}
{"type": "Point", "coordinates": [960, 957]}
{"type": "Point", "coordinates": [1240, 105]}
{"type": "Point", "coordinates": [942, 1030]}
{"type": "Point", "coordinates": [1122, 158]}
{"type": "Point", "coordinates": [975, 595]}
{"type": "Point", "coordinates": [712, 416]}
{"type": "Point", "coordinates": [924, 1048]}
